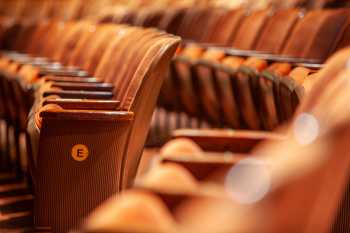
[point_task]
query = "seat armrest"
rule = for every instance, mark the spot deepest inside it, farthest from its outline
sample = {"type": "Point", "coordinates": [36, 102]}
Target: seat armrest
{"type": "Point", "coordinates": [94, 115]}
{"type": "Point", "coordinates": [63, 72]}
{"type": "Point", "coordinates": [81, 94]}
{"type": "Point", "coordinates": [237, 141]}
{"type": "Point", "coordinates": [84, 86]}
{"type": "Point", "coordinates": [84, 104]}
{"type": "Point", "coordinates": [72, 79]}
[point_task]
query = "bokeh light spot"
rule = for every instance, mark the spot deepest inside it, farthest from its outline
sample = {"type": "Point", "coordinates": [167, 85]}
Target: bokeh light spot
{"type": "Point", "coordinates": [248, 181]}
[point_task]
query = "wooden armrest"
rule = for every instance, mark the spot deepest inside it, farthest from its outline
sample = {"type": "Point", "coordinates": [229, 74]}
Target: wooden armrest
{"type": "Point", "coordinates": [72, 79]}
{"type": "Point", "coordinates": [237, 141]}
{"type": "Point", "coordinates": [26, 59]}
{"type": "Point", "coordinates": [38, 63]}
{"type": "Point", "coordinates": [288, 59]}
{"type": "Point", "coordinates": [9, 178]}
{"type": "Point", "coordinates": [238, 52]}
{"type": "Point", "coordinates": [55, 66]}
{"type": "Point", "coordinates": [63, 72]}
{"type": "Point", "coordinates": [22, 57]}
{"type": "Point", "coordinates": [269, 57]}
{"type": "Point", "coordinates": [16, 56]}
{"type": "Point", "coordinates": [88, 115]}
{"type": "Point", "coordinates": [43, 59]}
{"type": "Point", "coordinates": [16, 203]}
{"type": "Point", "coordinates": [81, 94]}
{"type": "Point", "coordinates": [82, 104]}
{"type": "Point", "coordinates": [202, 166]}
{"type": "Point", "coordinates": [84, 86]}
{"type": "Point", "coordinates": [15, 189]}
{"type": "Point", "coordinates": [311, 63]}
{"type": "Point", "coordinates": [12, 53]}
{"type": "Point", "coordinates": [18, 218]}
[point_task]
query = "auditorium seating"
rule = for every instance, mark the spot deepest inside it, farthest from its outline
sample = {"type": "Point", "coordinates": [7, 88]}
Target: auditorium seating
{"type": "Point", "coordinates": [203, 70]}
{"type": "Point", "coordinates": [185, 178]}
{"type": "Point", "coordinates": [109, 122]}
{"type": "Point", "coordinates": [99, 77]}
{"type": "Point", "coordinates": [282, 32]}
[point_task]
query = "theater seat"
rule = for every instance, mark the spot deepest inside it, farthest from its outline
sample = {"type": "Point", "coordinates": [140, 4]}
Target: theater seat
{"type": "Point", "coordinates": [142, 57]}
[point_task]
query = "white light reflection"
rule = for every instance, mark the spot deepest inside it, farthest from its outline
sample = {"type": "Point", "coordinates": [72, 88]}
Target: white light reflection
{"type": "Point", "coordinates": [348, 64]}
{"type": "Point", "coordinates": [305, 128]}
{"type": "Point", "coordinates": [248, 181]}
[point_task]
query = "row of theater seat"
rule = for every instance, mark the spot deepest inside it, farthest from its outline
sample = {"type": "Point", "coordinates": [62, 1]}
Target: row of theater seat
{"type": "Point", "coordinates": [41, 9]}
{"type": "Point", "coordinates": [80, 84]}
{"type": "Point", "coordinates": [322, 41]}
{"type": "Point", "coordinates": [254, 93]}
{"type": "Point", "coordinates": [206, 81]}
{"type": "Point", "coordinates": [190, 190]}
{"type": "Point", "coordinates": [281, 32]}
{"type": "Point", "coordinates": [36, 10]}
{"type": "Point", "coordinates": [149, 10]}
{"type": "Point", "coordinates": [118, 80]}
{"type": "Point", "coordinates": [270, 31]}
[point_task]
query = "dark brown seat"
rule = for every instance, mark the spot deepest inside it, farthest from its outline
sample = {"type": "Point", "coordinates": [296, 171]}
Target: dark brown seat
{"type": "Point", "coordinates": [250, 30]}
{"type": "Point", "coordinates": [226, 27]}
{"type": "Point", "coordinates": [145, 60]}
{"type": "Point", "coordinates": [291, 186]}
{"type": "Point", "coordinates": [191, 18]}
{"type": "Point", "coordinates": [172, 20]}
{"type": "Point", "coordinates": [277, 30]}
{"type": "Point", "coordinates": [321, 29]}
{"type": "Point", "coordinates": [141, 56]}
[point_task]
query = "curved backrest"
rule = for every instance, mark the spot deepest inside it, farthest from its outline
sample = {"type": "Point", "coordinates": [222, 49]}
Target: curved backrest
{"type": "Point", "coordinates": [91, 47]}
{"type": "Point", "coordinates": [142, 15]}
{"type": "Point", "coordinates": [124, 57]}
{"type": "Point", "coordinates": [36, 10]}
{"type": "Point", "coordinates": [14, 8]}
{"type": "Point", "coordinates": [202, 23]}
{"type": "Point", "coordinates": [66, 9]}
{"type": "Point", "coordinates": [115, 50]}
{"type": "Point", "coordinates": [51, 37]}
{"type": "Point", "coordinates": [129, 17]}
{"type": "Point", "coordinates": [172, 20]}
{"type": "Point", "coordinates": [141, 97]}
{"type": "Point", "coordinates": [316, 35]}
{"type": "Point", "coordinates": [188, 21]}
{"type": "Point", "coordinates": [39, 35]}
{"type": "Point", "coordinates": [98, 49]}
{"type": "Point", "coordinates": [70, 40]}
{"type": "Point", "coordinates": [277, 30]}
{"type": "Point", "coordinates": [154, 19]}
{"type": "Point", "coordinates": [149, 17]}
{"type": "Point", "coordinates": [83, 46]}
{"type": "Point", "coordinates": [345, 40]}
{"type": "Point", "coordinates": [117, 15]}
{"type": "Point", "coordinates": [228, 26]}
{"type": "Point", "coordinates": [27, 29]}
{"type": "Point", "coordinates": [211, 23]}
{"type": "Point", "coordinates": [132, 61]}
{"type": "Point", "coordinates": [250, 30]}
{"type": "Point", "coordinates": [10, 31]}
{"type": "Point", "coordinates": [5, 25]}
{"type": "Point", "coordinates": [332, 29]}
